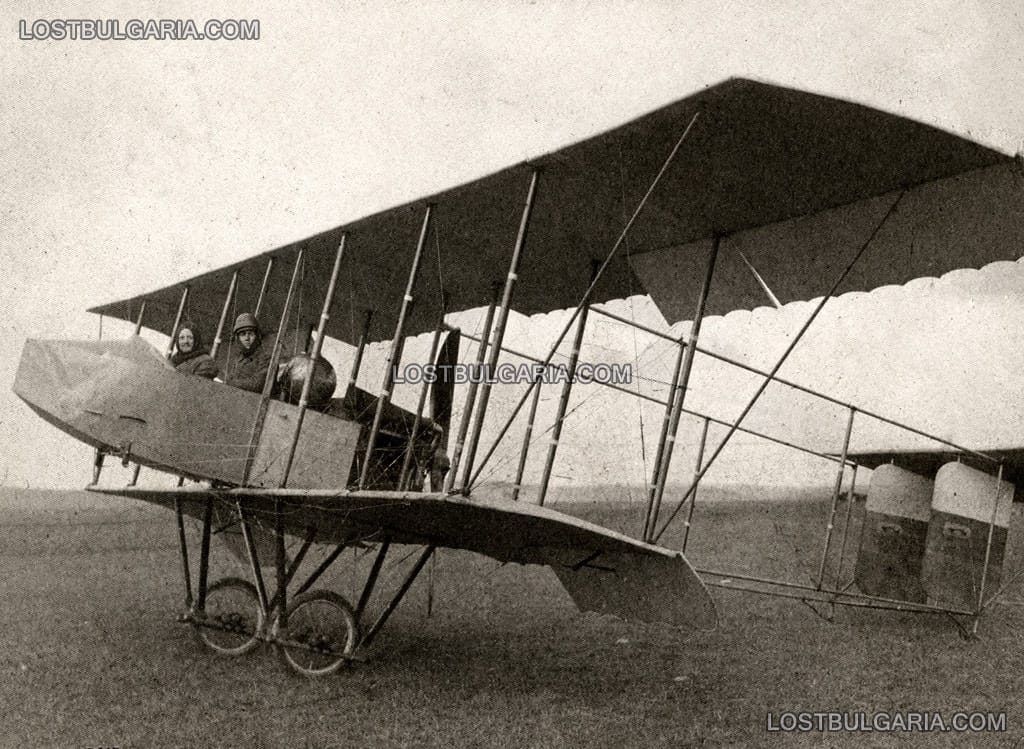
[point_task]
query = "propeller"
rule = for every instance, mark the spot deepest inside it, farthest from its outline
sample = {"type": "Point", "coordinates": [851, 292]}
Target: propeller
{"type": "Point", "coordinates": [442, 393]}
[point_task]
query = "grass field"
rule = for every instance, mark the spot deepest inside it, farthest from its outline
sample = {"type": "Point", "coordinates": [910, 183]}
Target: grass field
{"type": "Point", "coordinates": [94, 657]}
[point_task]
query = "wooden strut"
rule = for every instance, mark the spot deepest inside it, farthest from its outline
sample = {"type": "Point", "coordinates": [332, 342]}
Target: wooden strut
{"type": "Point", "coordinates": [586, 296]}
{"type": "Point", "coordinates": [183, 550]}
{"type": "Point", "coordinates": [666, 448]}
{"type": "Point", "coordinates": [99, 455]}
{"type": "Point", "coordinates": [563, 399]}
{"type": "Point", "coordinates": [268, 381]}
{"type": "Point", "coordinates": [138, 321]}
{"type": "Point", "coordinates": [696, 472]}
{"type": "Point", "coordinates": [467, 410]}
{"type": "Point", "coordinates": [321, 568]}
{"type": "Point", "coordinates": [254, 559]}
{"type": "Point", "coordinates": [172, 342]}
{"type": "Point", "coordinates": [218, 336]}
{"type": "Point", "coordinates": [846, 526]}
{"type": "Point", "coordinates": [263, 287]}
{"type": "Point", "coordinates": [666, 420]}
{"type": "Point", "coordinates": [527, 437]}
{"type": "Point", "coordinates": [499, 328]}
{"type": "Point", "coordinates": [314, 357]}
{"type": "Point", "coordinates": [835, 593]}
{"type": "Point", "coordinates": [371, 579]}
{"type": "Point", "coordinates": [307, 543]}
{"type": "Point", "coordinates": [770, 377]}
{"type": "Point", "coordinates": [405, 476]}
{"type": "Point", "coordinates": [280, 566]}
{"type": "Point", "coordinates": [393, 604]}
{"type": "Point", "coordinates": [836, 489]}
{"type": "Point", "coordinates": [177, 321]}
{"type": "Point", "coordinates": [988, 553]}
{"type": "Point", "coordinates": [357, 360]}
{"type": "Point", "coordinates": [395, 353]}
{"type": "Point", "coordinates": [204, 556]}
{"type": "Point", "coordinates": [138, 329]}
{"type": "Point", "coordinates": [838, 597]}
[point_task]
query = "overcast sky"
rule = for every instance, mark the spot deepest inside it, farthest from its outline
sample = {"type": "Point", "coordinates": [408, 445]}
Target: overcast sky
{"type": "Point", "coordinates": [129, 165]}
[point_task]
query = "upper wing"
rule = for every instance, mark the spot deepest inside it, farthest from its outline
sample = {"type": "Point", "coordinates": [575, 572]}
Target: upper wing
{"type": "Point", "coordinates": [927, 462]}
{"type": "Point", "coordinates": [757, 155]}
{"type": "Point", "coordinates": [603, 570]}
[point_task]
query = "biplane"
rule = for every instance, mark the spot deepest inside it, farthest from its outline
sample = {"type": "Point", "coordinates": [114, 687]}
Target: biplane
{"type": "Point", "coordinates": [817, 196]}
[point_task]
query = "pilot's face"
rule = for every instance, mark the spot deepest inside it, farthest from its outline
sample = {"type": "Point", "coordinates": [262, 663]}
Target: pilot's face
{"type": "Point", "coordinates": [186, 341]}
{"type": "Point", "coordinates": [247, 339]}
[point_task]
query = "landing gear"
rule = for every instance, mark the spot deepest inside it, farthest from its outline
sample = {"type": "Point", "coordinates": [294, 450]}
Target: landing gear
{"type": "Point", "coordinates": [316, 632]}
{"type": "Point", "coordinates": [321, 635]}
{"type": "Point", "coordinates": [232, 619]}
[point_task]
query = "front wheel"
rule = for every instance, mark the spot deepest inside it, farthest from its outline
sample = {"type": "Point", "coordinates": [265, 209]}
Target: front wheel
{"type": "Point", "coordinates": [321, 633]}
{"type": "Point", "coordinates": [231, 619]}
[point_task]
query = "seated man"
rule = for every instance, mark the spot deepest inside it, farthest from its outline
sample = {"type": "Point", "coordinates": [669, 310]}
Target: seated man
{"type": "Point", "coordinates": [190, 356]}
{"type": "Point", "coordinates": [248, 362]}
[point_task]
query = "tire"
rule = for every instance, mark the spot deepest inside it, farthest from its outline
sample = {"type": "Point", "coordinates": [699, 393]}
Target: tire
{"type": "Point", "coordinates": [322, 634]}
{"type": "Point", "coordinates": [232, 619]}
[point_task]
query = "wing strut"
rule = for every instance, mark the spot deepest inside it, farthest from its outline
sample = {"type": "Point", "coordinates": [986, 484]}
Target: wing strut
{"type": "Point", "coordinates": [563, 400]}
{"type": "Point", "coordinates": [405, 477]}
{"type": "Point", "coordinates": [467, 409]}
{"type": "Point", "coordinates": [357, 360]}
{"type": "Point", "coordinates": [499, 330]}
{"type": "Point", "coordinates": [665, 421]}
{"type": "Point", "coordinates": [835, 498]}
{"type": "Point", "coordinates": [699, 461]}
{"type": "Point", "coordinates": [395, 354]}
{"type": "Point", "coordinates": [527, 436]}
{"type": "Point", "coordinates": [263, 289]}
{"type": "Point", "coordinates": [307, 381]}
{"type": "Point", "coordinates": [679, 393]}
{"type": "Point", "coordinates": [177, 321]}
{"type": "Point", "coordinates": [268, 382]}
{"type": "Point", "coordinates": [761, 281]}
{"type": "Point", "coordinates": [218, 336]}
{"type": "Point", "coordinates": [138, 329]}
{"type": "Point", "coordinates": [779, 363]}
{"type": "Point", "coordinates": [586, 296]}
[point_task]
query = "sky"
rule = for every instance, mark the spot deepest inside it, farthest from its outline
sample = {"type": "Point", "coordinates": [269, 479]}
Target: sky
{"type": "Point", "coordinates": [130, 165]}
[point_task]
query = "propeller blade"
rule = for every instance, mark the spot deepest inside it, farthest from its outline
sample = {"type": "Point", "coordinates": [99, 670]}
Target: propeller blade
{"type": "Point", "coordinates": [442, 390]}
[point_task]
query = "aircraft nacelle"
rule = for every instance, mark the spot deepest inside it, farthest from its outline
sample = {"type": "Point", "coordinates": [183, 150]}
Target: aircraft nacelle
{"type": "Point", "coordinates": [122, 397]}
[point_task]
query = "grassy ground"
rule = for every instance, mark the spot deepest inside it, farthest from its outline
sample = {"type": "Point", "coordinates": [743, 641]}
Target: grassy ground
{"type": "Point", "coordinates": [93, 655]}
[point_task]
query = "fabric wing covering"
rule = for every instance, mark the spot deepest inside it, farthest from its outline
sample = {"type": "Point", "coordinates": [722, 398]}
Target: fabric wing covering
{"type": "Point", "coordinates": [757, 155]}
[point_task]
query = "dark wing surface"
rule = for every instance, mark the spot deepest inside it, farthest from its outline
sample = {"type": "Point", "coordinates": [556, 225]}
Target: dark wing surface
{"type": "Point", "coordinates": [602, 570]}
{"type": "Point", "coordinates": [757, 155]}
{"type": "Point", "coordinates": [927, 462]}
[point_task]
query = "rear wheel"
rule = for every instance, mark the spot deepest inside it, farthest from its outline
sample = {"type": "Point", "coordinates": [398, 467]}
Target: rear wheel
{"type": "Point", "coordinates": [232, 618]}
{"type": "Point", "coordinates": [321, 633]}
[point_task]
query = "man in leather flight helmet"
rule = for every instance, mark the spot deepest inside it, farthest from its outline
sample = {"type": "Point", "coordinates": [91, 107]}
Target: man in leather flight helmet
{"type": "Point", "coordinates": [248, 363]}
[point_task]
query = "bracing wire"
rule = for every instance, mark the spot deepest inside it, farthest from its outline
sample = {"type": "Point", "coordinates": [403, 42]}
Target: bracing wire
{"type": "Point", "coordinates": [632, 314]}
{"type": "Point", "coordinates": [593, 284]}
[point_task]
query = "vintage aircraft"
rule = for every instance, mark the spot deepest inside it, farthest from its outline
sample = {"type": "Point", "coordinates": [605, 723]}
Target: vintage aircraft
{"type": "Point", "coordinates": [819, 195]}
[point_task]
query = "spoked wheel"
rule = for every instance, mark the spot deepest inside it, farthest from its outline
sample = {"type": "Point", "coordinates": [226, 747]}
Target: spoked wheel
{"type": "Point", "coordinates": [321, 634]}
{"type": "Point", "coordinates": [232, 619]}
